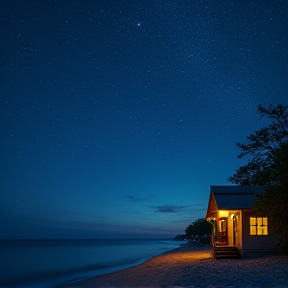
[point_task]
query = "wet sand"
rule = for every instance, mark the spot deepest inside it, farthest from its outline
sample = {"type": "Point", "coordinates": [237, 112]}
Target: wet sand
{"type": "Point", "coordinates": [192, 266]}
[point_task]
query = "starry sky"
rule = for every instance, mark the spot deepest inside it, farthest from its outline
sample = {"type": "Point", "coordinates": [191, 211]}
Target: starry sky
{"type": "Point", "coordinates": [117, 116]}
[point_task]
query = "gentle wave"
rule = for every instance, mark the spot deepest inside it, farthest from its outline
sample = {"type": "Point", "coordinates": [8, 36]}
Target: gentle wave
{"type": "Point", "coordinates": [48, 263]}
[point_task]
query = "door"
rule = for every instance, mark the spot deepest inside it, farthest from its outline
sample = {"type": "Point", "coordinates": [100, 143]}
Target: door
{"type": "Point", "coordinates": [223, 232]}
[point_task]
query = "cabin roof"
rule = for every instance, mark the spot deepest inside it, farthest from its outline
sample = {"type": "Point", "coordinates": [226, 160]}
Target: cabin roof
{"type": "Point", "coordinates": [232, 198]}
{"type": "Point", "coordinates": [230, 189]}
{"type": "Point", "coordinates": [234, 201]}
{"type": "Point", "coordinates": [235, 197]}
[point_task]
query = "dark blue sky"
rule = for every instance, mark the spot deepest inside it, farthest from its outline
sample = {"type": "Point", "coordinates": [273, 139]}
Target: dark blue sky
{"type": "Point", "coordinates": [117, 116]}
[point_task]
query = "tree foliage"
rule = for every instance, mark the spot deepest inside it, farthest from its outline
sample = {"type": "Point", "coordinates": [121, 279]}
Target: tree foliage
{"type": "Point", "coordinates": [268, 167]}
{"type": "Point", "coordinates": [198, 228]}
{"type": "Point", "coordinates": [264, 146]}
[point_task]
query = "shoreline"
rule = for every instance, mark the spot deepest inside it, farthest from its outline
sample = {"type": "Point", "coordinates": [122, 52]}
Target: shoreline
{"type": "Point", "coordinates": [54, 263]}
{"type": "Point", "coordinates": [193, 266]}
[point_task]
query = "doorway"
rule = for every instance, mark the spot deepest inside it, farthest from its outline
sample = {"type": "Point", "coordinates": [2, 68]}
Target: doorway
{"type": "Point", "coordinates": [223, 232]}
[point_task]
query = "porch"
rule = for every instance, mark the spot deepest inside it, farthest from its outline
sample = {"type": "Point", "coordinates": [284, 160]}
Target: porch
{"type": "Point", "coordinates": [225, 238]}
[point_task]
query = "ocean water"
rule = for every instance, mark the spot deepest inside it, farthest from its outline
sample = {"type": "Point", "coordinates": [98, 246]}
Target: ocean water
{"type": "Point", "coordinates": [50, 263]}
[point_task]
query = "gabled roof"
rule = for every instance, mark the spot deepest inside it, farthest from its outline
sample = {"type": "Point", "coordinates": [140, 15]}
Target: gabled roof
{"type": "Point", "coordinates": [234, 201]}
{"type": "Point", "coordinates": [231, 189]}
{"type": "Point", "coordinates": [235, 197]}
{"type": "Point", "coordinates": [232, 198]}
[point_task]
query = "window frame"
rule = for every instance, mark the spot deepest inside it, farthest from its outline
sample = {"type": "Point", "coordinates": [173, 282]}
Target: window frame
{"type": "Point", "coordinates": [258, 226]}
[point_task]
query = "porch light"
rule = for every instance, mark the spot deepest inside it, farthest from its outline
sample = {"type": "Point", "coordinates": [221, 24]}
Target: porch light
{"type": "Point", "coordinates": [223, 214]}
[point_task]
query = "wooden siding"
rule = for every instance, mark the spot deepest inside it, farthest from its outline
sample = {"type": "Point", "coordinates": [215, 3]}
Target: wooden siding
{"type": "Point", "coordinates": [212, 207]}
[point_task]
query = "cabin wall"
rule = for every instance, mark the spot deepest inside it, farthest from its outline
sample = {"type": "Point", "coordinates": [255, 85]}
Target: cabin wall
{"type": "Point", "coordinates": [256, 242]}
{"type": "Point", "coordinates": [212, 207]}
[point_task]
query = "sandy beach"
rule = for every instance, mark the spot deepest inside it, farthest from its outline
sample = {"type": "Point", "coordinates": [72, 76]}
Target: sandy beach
{"type": "Point", "coordinates": [193, 266]}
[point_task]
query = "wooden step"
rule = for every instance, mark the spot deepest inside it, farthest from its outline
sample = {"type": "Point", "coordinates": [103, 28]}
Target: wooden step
{"type": "Point", "coordinates": [226, 248]}
{"type": "Point", "coordinates": [222, 252]}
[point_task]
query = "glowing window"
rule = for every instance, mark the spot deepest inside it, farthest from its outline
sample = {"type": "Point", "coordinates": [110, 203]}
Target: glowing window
{"type": "Point", "coordinates": [258, 226]}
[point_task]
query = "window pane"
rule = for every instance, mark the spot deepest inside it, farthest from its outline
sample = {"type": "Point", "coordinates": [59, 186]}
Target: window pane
{"type": "Point", "coordinates": [252, 221]}
{"type": "Point", "coordinates": [259, 230]}
{"type": "Point", "coordinates": [265, 230]}
{"type": "Point", "coordinates": [264, 221]}
{"type": "Point", "coordinates": [252, 230]}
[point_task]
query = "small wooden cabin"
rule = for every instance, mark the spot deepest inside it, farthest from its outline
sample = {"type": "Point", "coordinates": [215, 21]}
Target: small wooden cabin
{"type": "Point", "coordinates": [235, 228]}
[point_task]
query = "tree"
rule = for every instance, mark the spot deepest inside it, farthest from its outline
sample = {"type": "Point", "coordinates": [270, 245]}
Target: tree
{"type": "Point", "coordinates": [268, 167]}
{"type": "Point", "coordinates": [198, 228]}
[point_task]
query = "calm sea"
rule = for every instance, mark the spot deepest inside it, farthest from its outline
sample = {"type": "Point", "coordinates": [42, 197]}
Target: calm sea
{"type": "Point", "coordinates": [50, 263]}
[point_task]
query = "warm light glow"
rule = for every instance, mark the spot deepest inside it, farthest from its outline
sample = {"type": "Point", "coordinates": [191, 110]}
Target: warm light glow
{"type": "Point", "coordinates": [223, 213]}
{"type": "Point", "coordinates": [258, 226]}
{"type": "Point", "coordinates": [253, 221]}
{"type": "Point", "coordinates": [232, 216]}
{"type": "Point", "coordinates": [190, 256]}
{"type": "Point", "coordinates": [252, 230]}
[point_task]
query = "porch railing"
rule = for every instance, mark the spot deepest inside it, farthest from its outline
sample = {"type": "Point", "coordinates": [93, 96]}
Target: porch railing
{"type": "Point", "coordinates": [219, 239]}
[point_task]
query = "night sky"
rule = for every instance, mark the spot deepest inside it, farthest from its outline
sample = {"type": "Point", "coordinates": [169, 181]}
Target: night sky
{"type": "Point", "coordinates": [117, 116]}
